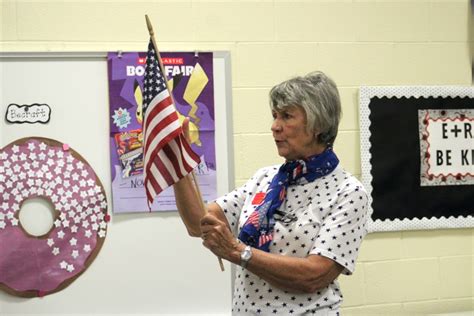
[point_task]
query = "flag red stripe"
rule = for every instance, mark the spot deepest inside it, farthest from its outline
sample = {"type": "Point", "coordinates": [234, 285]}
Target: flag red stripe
{"type": "Point", "coordinates": [170, 159]}
{"type": "Point", "coordinates": [155, 130]}
{"type": "Point", "coordinates": [254, 219]}
{"type": "Point", "coordinates": [163, 169]}
{"type": "Point", "coordinates": [174, 160]}
{"type": "Point", "coordinates": [161, 117]}
{"type": "Point", "coordinates": [182, 152]}
{"type": "Point", "coordinates": [154, 110]}
{"type": "Point", "coordinates": [148, 181]}
{"type": "Point", "coordinates": [154, 183]}
{"type": "Point", "coordinates": [189, 150]}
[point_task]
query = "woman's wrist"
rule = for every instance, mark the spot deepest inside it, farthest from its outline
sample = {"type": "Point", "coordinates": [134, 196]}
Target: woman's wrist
{"type": "Point", "coordinates": [237, 249]}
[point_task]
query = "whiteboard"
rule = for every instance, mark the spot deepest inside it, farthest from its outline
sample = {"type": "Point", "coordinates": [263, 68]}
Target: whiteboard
{"type": "Point", "coordinates": [148, 264]}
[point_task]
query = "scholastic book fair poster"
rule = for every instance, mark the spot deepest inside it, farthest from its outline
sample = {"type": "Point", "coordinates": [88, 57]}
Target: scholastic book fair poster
{"type": "Point", "coordinates": [190, 79]}
{"type": "Point", "coordinates": [417, 154]}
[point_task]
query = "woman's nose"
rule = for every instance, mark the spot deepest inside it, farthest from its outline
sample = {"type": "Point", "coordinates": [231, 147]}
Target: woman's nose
{"type": "Point", "coordinates": [276, 126]}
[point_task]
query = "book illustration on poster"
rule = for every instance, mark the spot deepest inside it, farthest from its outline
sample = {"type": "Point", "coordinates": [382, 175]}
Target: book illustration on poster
{"type": "Point", "coordinates": [416, 154]}
{"type": "Point", "coordinates": [130, 152]}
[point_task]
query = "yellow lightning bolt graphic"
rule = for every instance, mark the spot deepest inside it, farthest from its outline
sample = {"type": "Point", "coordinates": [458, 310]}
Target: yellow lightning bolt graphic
{"type": "Point", "coordinates": [193, 129]}
{"type": "Point", "coordinates": [139, 100]}
{"type": "Point", "coordinates": [197, 81]}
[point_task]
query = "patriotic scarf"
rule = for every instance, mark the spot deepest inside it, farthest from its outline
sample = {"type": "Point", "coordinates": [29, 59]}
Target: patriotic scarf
{"type": "Point", "coordinates": [258, 229]}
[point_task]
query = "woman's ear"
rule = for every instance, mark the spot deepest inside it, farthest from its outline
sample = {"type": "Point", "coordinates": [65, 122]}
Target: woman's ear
{"type": "Point", "coordinates": [316, 134]}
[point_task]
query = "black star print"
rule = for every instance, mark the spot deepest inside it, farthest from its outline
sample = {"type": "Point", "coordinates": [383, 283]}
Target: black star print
{"type": "Point", "coordinates": [321, 227]}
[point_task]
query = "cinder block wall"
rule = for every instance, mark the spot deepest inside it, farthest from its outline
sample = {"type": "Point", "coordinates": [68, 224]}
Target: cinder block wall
{"type": "Point", "coordinates": [367, 42]}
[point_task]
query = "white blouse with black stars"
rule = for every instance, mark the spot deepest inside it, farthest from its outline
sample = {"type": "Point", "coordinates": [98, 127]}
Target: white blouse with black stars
{"type": "Point", "coordinates": [325, 217]}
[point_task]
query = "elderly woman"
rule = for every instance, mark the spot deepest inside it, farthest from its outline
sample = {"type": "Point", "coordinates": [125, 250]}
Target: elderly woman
{"type": "Point", "coordinates": [293, 228]}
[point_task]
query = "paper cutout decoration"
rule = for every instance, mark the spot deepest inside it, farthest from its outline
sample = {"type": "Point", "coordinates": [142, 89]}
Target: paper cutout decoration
{"type": "Point", "coordinates": [446, 147]}
{"type": "Point", "coordinates": [34, 113]}
{"type": "Point", "coordinates": [44, 168]}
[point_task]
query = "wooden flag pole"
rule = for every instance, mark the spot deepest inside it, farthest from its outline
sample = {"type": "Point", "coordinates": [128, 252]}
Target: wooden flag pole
{"type": "Point", "coordinates": [196, 184]}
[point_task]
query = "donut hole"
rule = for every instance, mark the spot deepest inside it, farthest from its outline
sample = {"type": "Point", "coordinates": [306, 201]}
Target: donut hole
{"type": "Point", "coordinates": [37, 216]}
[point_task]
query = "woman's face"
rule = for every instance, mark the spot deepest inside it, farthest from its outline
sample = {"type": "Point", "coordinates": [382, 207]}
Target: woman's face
{"type": "Point", "coordinates": [292, 139]}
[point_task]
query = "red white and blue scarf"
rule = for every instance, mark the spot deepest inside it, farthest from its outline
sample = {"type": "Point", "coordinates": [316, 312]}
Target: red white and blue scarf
{"type": "Point", "coordinates": [258, 229]}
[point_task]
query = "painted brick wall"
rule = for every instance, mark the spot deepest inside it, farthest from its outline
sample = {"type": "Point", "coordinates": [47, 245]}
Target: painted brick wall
{"type": "Point", "coordinates": [366, 42]}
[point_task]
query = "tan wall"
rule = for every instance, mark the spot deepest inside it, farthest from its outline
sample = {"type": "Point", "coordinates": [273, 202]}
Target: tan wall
{"type": "Point", "coordinates": [356, 42]}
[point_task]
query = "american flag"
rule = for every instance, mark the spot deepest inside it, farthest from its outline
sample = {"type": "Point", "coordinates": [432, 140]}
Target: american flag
{"type": "Point", "coordinates": [264, 238]}
{"type": "Point", "coordinates": [167, 155]}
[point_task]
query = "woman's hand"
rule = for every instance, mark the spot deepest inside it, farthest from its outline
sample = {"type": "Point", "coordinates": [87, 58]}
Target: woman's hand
{"type": "Point", "coordinates": [218, 238]}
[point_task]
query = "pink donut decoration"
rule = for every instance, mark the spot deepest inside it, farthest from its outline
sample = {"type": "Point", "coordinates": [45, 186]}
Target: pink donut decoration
{"type": "Point", "coordinates": [45, 168]}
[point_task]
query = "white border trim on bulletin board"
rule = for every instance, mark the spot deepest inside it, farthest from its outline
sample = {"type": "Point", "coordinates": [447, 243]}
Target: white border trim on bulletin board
{"type": "Point", "coordinates": [366, 93]}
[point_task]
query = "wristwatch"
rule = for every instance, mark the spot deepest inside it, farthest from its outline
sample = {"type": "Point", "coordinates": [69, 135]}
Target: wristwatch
{"type": "Point", "coordinates": [245, 256]}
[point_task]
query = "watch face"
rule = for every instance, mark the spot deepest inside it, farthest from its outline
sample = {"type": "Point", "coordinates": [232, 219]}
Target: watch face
{"type": "Point", "coordinates": [246, 254]}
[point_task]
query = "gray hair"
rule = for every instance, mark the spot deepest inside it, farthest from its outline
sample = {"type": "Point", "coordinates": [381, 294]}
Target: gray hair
{"type": "Point", "coordinates": [318, 96]}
